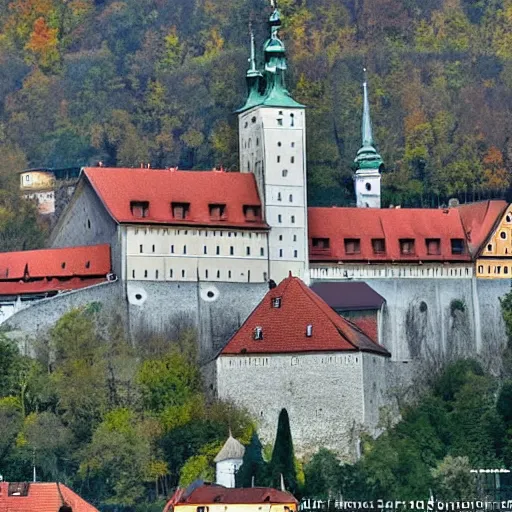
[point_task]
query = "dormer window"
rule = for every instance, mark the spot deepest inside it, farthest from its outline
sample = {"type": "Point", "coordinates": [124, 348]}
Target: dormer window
{"type": "Point", "coordinates": [258, 333]}
{"type": "Point", "coordinates": [276, 302]}
{"type": "Point", "coordinates": [139, 209]}
{"type": "Point", "coordinates": [352, 245]}
{"type": "Point", "coordinates": [433, 246]}
{"type": "Point", "coordinates": [379, 245]}
{"type": "Point", "coordinates": [217, 211]}
{"type": "Point", "coordinates": [309, 331]}
{"type": "Point", "coordinates": [407, 246]}
{"type": "Point", "coordinates": [252, 213]}
{"type": "Point", "coordinates": [180, 211]}
{"type": "Point", "coordinates": [457, 245]}
{"type": "Point", "coordinates": [321, 243]}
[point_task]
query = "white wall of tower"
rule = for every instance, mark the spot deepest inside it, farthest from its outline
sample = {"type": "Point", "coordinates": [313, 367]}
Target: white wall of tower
{"type": "Point", "coordinates": [273, 147]}
{"type": "Point", "coordinates": [367, 188]}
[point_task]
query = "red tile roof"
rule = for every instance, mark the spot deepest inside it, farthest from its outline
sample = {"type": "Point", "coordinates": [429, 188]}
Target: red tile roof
{"type": "Point", "coordinates": [119, 188]}
{"type": "Point", "coordinates": [349, 296]}
{"type": "Point", "coordinates": [42, 497]}
{"type": "Point", "coordinates": [284, 327]}
{"type": "Point", "coordinates": [365, 224]}
{"type": "Point", "coordinates": [46, 270]}
{"type": "Point", "coordinates": [209, 494]}
{"type": "Point", "coordinates": [479, 220]}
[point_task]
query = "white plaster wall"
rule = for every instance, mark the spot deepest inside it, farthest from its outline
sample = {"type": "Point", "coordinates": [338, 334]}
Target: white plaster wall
{"type": "Point", "coordinates": [169, 254]}
{"type": "Point", "coordinates": [367, 198]}
{"type": "Point", "coordinates": [226, 470]}
{"type": "Point", "coordinates": [323, 394]}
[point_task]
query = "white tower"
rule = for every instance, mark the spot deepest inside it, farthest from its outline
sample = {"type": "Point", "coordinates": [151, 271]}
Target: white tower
{"type": "Point", "coordinates": [272, 130]}
{"type": "Point", "coordinates": [368, 163]}
{"type": "Point", "coordinates": [228, 462]}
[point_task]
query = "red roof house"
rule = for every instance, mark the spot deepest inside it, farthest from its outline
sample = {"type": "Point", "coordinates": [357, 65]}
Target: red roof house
{"type": "Point", "coordinates": [206, 198]}
{"type": "Point", "coordinates": [292, 318]}
{"type": "Point", "coordinates": [40, 497]}
{"type": "Point", "coordinates": [53, 270]}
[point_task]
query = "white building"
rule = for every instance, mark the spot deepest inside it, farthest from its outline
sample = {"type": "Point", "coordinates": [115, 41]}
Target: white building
{"type": "Point", "coordinates": [228, 462]}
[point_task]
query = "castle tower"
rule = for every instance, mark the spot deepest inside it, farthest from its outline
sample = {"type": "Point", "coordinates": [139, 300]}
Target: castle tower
{"type": "Point", "coordinates": [228, 462]}
{"type": "Point", "coordinates": [272, 137]}
{"type": "Point", "coordinates": [368, 163]}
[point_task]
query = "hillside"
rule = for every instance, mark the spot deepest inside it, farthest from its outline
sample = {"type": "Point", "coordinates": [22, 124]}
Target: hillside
{"type": "Point", "coordinates": [157, 81]}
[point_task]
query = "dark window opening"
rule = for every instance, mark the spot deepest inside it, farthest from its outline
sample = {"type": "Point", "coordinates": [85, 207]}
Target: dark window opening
{"type": "Point", "coordinates": [231, 251]}
{"type": "Point", "coordinates": [457, 245]}
{"type": "Point", "coordinates": [407, 246]}
{"type": "Point", "coordinates": [379, 245]}
{"type": "Point", "coordinates": [433, 246]}
{"type": "Point", "coordinates": [217, 211]}
{"type": "Point", "coordinates": [180, 211]}
{"type": "Point", "coordinates": [139, 209]}
{"type": "Point", "coordinates": [252, 213]}
{"type": "Point", "coordinates": [352, 245]}
{"type": "Point", "coordinates": [258, 333]}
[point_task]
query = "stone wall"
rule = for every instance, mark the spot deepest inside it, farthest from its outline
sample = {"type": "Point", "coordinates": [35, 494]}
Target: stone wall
{"type": "Point", "coordinates": [327, 395]}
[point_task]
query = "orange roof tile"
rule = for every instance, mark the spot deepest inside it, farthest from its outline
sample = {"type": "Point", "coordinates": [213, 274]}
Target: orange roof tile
{"type": "Point", "coordinates": [42, 497]}
{"type": "Point", "coordinates": [479, 220]}
{"type": "Point", "coordinates": [118, 188]}
{"type": "Point", "coordinates": [284, 327]}
{"type": "Point", "coordinates": [392, 225]}
{"type": "Point", "coordinates": [47, 270]}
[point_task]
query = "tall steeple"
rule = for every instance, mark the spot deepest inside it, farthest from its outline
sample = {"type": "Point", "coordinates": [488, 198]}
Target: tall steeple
{"type": "Point", "coordinates": [367, 157]}
{"type": "Point", "coordinates": [253, 79]}
{"type": "Point", "coordinates": [368, 162]}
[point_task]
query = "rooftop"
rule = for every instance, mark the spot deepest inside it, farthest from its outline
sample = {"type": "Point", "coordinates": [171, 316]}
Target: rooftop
{"type": "Point", "coordinates": [232, 449]}
{"type": "Point", "coordinates": [292, 318]}
{"type": "Point", "coordinates": [206, 198]}
{"type": "Point", "coordinates": [348, 296]}
{"type": "Point", "coordinates": [43, 497]}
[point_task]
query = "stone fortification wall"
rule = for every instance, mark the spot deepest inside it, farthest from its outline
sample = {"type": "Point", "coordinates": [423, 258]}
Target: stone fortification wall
{"type": "Point", "coordinates": [324, 394]}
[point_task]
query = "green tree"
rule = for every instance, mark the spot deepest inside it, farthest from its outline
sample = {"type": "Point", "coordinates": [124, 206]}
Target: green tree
{"type": "Point", "coordinates": [253, 469]}
{"type": "Point", "coordinates": [283, 458]}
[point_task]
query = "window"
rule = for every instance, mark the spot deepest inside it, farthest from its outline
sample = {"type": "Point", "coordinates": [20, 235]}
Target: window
{"type": "Point", "coordinates": [290, 198]}
{"type": "Point", "coordinates": [509, 218]}
{"type": "Point", "coordinates": [503, 235]}
{"type": "Point", "coordinates": [205, 249]}
{"type": "Point", "coordinates": [217, 250]}
{"type": "Point", "coordinates": [279, 219]}
{"type": "Point", "coordinates": [293, 144]}
{"type": "Point", "coordinates": [257, 141]}
{"type": "Point", "coordinates": [180, 211]}
{"type": "Point", "coordinates": [139, 209]}
{"type": "Point", "coordinates": [153, 248]}
{"type": "Point", "coordinates": [292, 160]}
{"type": "Point", "coordinates": [217, 211]}
{"type": "Point", "coordinates": [252, 213]}
{"type": "Point", "coordinates": [170, 273]}
{"type": "Point", "coordinates": [292, 120]}
{"type": "Point", "coordinates": [18, 489]}
{"type": "Point", "coordinates": [292, 219]}
{"type": "Point", "coordinates": [406, 246]}
{"type": "Point", "coordinates": [278, 159]}
{"type": "Point", "coordinates": [133, 274]}
{"type": "Point", "coordinates": [206, 274]}
{"type": "Point", "coordinates": [172, 249]}
{"type": "Point", "coordinates": [248, 251]}
{"type": "Point", "coordinates": [379, 245]}
{"type": "Point", "coordinates": [457, 245]}
{"type": "Point", "coordinates": [489, 247]}
{"type": "Point", "coordinates": [433, 246]}
{"type": "Point", "coordinates": [262, 251]}
{"type": "Point", "coordinates": [280, 253]}
{"type": "Point", "coordinates": [280, 238]}
{"type": "Point", "coordinates": [88, 224]}
{"type": "Point", "coordinates": [183, 273]}
{"type": "Point", "coordinates": [279, 122]}
{"type": "Point", "coordinates": [141, 248]}
{"type": "Point", "coordinates": [258, 333]}
{"type": "Point", "coordinates": [218, 274]}
{"type": "Point", "coordinates": [145, 273]}
{"type": "Point", "coordinates": [279, 196]}
{"type": "Point", "coordinates": [321, 243]}
{"type": "Point", "coordinates": [156, 274]}
{"type": "Point", "coordinates": [295, 253]}
{"type": "Point", "coordinates": [505, 270]}
{"type": "Point", "coordinates": [294, 238]}
{"type": "Point", "coordinates": [276, 302]}
{"type": "Point", "coordinates": [352, 245]}
{"type": "Point", "coordinates": [229, 274]}
{"type": "Point", "coordinates": [231, 251]}
{"type": "Point", "coordinates": [184, 249]}
{"type": "Point", "coordinates": [480, 269]}
{"type": "Point", "coordinates": [309, 331]}
{"type": "Point", "coordinates": [285, 173]}
{"type": "Point", "coordinates": [279, 144]}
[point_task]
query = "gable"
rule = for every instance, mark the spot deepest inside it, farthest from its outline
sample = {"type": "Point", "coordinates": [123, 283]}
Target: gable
{"type": "Point", "coordinates": [499, 243]}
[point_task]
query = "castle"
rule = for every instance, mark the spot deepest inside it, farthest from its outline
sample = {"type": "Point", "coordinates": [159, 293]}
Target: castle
{"type": "Point", "coordinates": [165, 249]}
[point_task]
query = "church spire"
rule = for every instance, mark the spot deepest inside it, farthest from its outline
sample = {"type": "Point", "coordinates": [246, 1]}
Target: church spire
{"type": "Point", "coordinates": [253, 79]}
{"type": "Point", "coordinates": [367, 157]}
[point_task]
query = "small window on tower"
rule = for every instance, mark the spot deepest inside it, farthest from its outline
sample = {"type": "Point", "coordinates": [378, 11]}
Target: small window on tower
{"type": "Point", "coordinates": [368, 186]}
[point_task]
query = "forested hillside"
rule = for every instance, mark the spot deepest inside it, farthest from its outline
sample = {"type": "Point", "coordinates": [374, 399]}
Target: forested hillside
{"type": "Point", "coordinates": [157, 81]}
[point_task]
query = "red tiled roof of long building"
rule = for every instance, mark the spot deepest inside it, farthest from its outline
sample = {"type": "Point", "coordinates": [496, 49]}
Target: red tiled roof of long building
{"type": "Point", "coordinates": [46, 270]}
{"type": "Point", "coordinates": [119, 189]}
{"type": "Point", "coordinates": [392, 225]}
{"type": "Point", "coordinates": [42, 497]}
{"type": "Point", "coordinates": [209, 494]}
{"type": "Point", "coordinates": [284, 327]}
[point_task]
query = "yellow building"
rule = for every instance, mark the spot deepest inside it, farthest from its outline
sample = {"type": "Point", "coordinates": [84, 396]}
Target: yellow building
{"type": "Point", "coordinates": [495, 258]}
{"type": "Point", "coordinates": [39, 185]}
{"type": "Point", "coordinates": [215, 498]}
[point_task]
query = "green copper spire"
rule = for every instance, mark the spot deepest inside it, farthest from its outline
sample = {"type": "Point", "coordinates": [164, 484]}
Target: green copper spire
{"type": "Point", "coordinates": [367, 157]}
{"type": "Point", "coordinates": [272, 81]}
{"type": "Point", "coordinates": [253, 79]}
